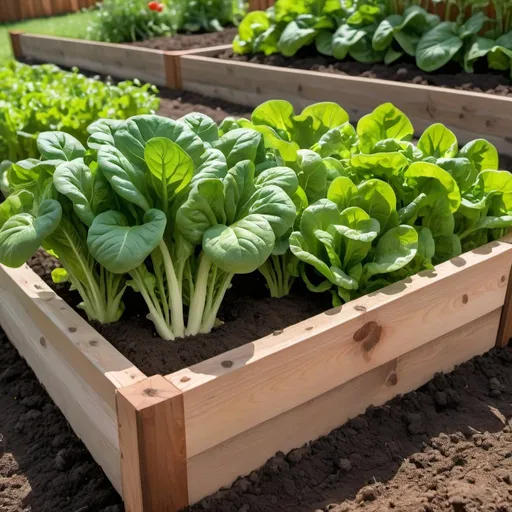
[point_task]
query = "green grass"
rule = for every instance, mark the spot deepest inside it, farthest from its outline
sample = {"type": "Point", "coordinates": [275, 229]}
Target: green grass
{"type": "Point", "coordinates": [69, 25]}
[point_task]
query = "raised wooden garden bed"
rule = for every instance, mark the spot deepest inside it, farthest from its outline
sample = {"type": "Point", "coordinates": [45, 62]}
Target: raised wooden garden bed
{"type": "Point", "coordinates": [167, 441]}
{"type": "Point", "coordinates": [470, 115]}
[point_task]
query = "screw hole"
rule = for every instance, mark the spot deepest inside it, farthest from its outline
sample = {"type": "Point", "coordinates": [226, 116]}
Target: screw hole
{"type": "Point", "coordinates": [465, 299]}
{"type": "Point", "coordinates": [226, 364]}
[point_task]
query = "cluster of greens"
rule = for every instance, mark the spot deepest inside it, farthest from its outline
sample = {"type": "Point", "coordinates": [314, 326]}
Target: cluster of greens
{"type": "Point", "coordinates": [39, 98]}
{"type": "Point", "coordinates": [174, 209]}
{"type": "Point", "coordinates": [171, 208]}
{"type": "Point", "coordinates": [135, 20]}
{"type": "Point", "coordinates": [372, 207]}
{"type": "Point", "coordinates": [371, 31]}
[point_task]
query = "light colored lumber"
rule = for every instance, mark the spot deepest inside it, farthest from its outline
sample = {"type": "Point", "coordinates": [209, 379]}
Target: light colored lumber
{"type": "Point", "coordinates": [282, 371]}
{"type": "Point", "coordinates": [117, 60]}
{"type": "Point", "coordinates": [31, 319]}
{"type": "Point", "coordinates": [250, 84]}
{"type": "Point", "coordinates": [153, 452]}
{"type": "Point", "coordinates": [221, 465]}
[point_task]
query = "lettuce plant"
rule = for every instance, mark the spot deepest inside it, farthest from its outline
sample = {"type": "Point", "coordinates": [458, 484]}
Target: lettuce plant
{"type": "Point", "coordinates": [52, 203]}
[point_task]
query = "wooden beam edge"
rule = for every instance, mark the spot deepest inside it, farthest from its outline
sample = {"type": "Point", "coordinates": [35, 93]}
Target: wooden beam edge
{"type": "Point", "coordinates": [505, 328]}
{"type": "Point", "coordinates": [15, 36]}
{"type": "Point", "coordinates": [151, 423]}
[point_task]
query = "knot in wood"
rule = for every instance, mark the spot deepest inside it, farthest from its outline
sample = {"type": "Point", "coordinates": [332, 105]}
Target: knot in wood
{"type": "Point", "coordinates": [369, 335]}
{"type": "Point", "coordinates": [150, 392]}
{"type": "Point", "coordinates": [226, 364]}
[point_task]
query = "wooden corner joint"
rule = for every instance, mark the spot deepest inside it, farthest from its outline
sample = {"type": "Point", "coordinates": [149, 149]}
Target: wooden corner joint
{"type": "Point", "coordinates": [172, 66]}
{"type": "Point", "coordinates": [15, 36]}
{"type": "Point", "coordinates": [152, 442]}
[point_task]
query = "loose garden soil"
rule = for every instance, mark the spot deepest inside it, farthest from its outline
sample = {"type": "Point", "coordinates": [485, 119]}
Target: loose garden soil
{"type": "Point", "coordinates": [451, 76]}
{"type": "Point", "coordinates": [190, 41]}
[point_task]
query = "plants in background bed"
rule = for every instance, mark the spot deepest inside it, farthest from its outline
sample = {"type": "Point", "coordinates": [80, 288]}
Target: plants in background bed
{"type": "Point", "coordinates": [34, 99]}
{"type": "Point", "coordinates": [175, 209]}
{"type": "Point", "coordinates": [123, 21]}
{"type": "Point", "coordinates": [372, 31]}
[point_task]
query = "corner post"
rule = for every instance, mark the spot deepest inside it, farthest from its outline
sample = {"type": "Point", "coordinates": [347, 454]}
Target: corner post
{"type": "Point", "coordinates": [151, 424]}
{"type": "Point", "coordinates": [172, 65]}
{"type": "Point", "coordinates": [15, 36]}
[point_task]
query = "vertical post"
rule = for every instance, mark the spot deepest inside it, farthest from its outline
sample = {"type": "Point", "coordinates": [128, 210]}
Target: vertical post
{"type": "Point", "coordinates": [152, 441]}
{"type": "Point", "coordinates": [505, 330]}
{"type": "Point", "coordinates": [172, 69]}
{"type": "Point", "coordinates": [16, 43]}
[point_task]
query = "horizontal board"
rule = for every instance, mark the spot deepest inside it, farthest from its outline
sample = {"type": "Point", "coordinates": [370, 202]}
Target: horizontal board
{"type": "Point", "coordinates": [221, 465]}
{"type": "Point", "coordinates": [81, 377]}
{"type": "Point", "coordinates": [282, 371]}
{"type": "Point", "coordinates": [470, 115]}
{"type": "Point", "coordinates": [120, 61]}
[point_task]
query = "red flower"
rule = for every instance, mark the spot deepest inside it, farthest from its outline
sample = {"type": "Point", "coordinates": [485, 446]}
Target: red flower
{"type": "Point", "coordinates": [154, 6]}
{"type": "Point", "coordinates": [160, 7]}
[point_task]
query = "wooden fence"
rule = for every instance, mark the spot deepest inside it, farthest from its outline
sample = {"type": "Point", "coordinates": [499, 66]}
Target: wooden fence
{"type": "Point", "coordinates": [16, 10]}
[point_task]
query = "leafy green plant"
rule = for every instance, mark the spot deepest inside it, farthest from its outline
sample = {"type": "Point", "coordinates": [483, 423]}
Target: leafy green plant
{"type": "Point", "coordinates": [122, 21]}
{"type": "Point", "coordinates": [371, 31]}
{"type": "Point", "coordinates": [34, 99]}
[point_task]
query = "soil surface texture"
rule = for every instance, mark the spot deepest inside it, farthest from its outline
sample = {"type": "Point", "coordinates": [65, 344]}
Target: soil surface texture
{"type": "Point", "coordinates": [451, 75]}
{"type": "Point", "coordinates": [190, 41]}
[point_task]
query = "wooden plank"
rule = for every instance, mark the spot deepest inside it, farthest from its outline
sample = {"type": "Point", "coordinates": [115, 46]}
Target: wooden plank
{"type": "Point", "coordinates": [273, 374]}
{"type": "Point", "coordinates": [153, 451]}
{"type": "Point", "coordinates": [505, 331]}
{"type": "Point", "coordinates": [250, 84]}
{"type": "Point", "coordinates": [91, 417]}
{"type": "Point", "coordinates": [15, 36]}
{"type": "Point", "coordinates": [90, 355]}
{"type": "Point", "coordinates": [221, 465]}
{"type": "Point", "coordinates": [117, 60]}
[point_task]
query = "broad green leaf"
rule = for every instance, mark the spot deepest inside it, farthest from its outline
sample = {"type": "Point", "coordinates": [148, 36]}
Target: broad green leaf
{"type": "Point", "coordinates": [75, 180]}
{"type": "Point", "coordinates": [278, 115]}
{"type": "Point", "coordinates": [379, 165]}
{"type": "Point", "coordinates": [482, 155]}
{"type": "Point", "coordinates": [120, 247]}
{"type": "Point", "coordinates": [21, 201]}
{"type": "Point", "coordinates": [463, 172]}
{"type": "Point", "coordinates": [473, 25]}
{"type": "Point", "coordinates": [22, 234]}
{"type": "Point", "coordinates": [241, 247]}
{"type": "Point", "coordinates": [240, 144]}
{"type": "Point", "coordinates": [395, 249]}
{"type": "Point", "coordinates": [447, 247]}
{"type": "Point", "coordinates": [133, 135]}
{"type": "Point", "coordinates": [202, 125]}
{"type": "Point", "coordinates": [377, 199]}
{"type": "Point", "coordinates": [127, 181]}
{"type": "Point", "coordinates": [344, 38]}
{"type": "Point", "coordinates": [59, 276]}
{"type": "Point", "coordinates": [253, 24]}
{"type": "Point", "coordinates": [102, 133]}
{"type": "Point", "coordinates": [170, 166]}
{"type": "Point", "coordinates": [294, 37]}
{"type": "Point", "coordinates": [59, 146]}
{"type": "Point", "coordinates": [283, 177]}
{"type": "Point", "coordinates": [312, 175]}
{"type": "Point", "coordinates": [383, 36]}
{"type": "Point", "coordinates": [239, 186]}
{"type": "Point", "coordinates": [438, 141]}
{"type": "Point", "coordinates": [341, 192]}
{"type": "Point", "coordinates": [385, 122]}
{"type": "Point", "coordinates": [438, 46]}
{"type": "Point", "coordinates": [480, 47]}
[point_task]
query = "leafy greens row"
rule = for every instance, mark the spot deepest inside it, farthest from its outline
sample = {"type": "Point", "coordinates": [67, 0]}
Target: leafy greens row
{"type": "Point", "coordinates": [174, 209]}
{"type": "Point", "coordinates": [372, 31]}
{"type": "Point", "coordinates": [39, 98]}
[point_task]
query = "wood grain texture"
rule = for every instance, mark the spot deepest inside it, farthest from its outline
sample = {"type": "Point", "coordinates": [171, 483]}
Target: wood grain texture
{"type": "Point", "coordinates": [16, 10]}
{"type": "Point", "coordinates": [117, 60]}
{"type": "Point", "coordinates": [279, 372]}
{"type": "Point", "coordinates": [153, 451]}
{"type": "Point", "coordinates": [251, 84]}
{"type": "Point", "coordinates": [15, 36]}
{"type": "Point", "coordinates": [221, 465]}
{"type": "Point", "coordinates": [80, 378]}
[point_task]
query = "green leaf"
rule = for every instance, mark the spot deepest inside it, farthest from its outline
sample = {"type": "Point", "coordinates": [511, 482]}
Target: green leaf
{"type": "Point", "coordinates": [473, 25]}
{"type": "Point", "coordinates": [447, 247]}
{"type": "Point", "coordinates": [438, 141]}
{"type": "Point", "coordinates": [59, 146]}
{"type": "Point", "coordinates": [22, 234]}
{"type": "Point", "coordinates": [127, 181]}
{"type": "Point", "coordinates": [312, 175]}
{"type": "Point", "coordinates": [102, 133]}
{"type": "Point", "coordinates": [278, 115]}
{"type": "Point", "coordinates": [395, 249]}
{"type": "Point", "coordinates": [120, 247]}
{"type": "Point", "coordinates": [376, 198]}
{"type": "Point", "coordinates": [59, 276]}
{"type": "Point", "coordinates": [385, 122]}
{"type": "Point", "coordinates": [379, 165]}
{"type": "Point", "coordinates": [283, 177]}
{"type": "Point", "coordinates": [133, 135]}
{"type": "Point", "coordinates": [482, 155]}
{"type": "Point", "coordinates": [240, 144]}
{"type": "Point", "coordinates": [202, 125]}
{"type": "Point", "coordinates": [438, 46]}
{"type": "Point", "coordinates": [344, 38]}
{"type": "Point", "coordinates": [341, 192]}
{"type": "Point", "coordinates": [241, 247]}
{"type": "Point", "coordinates": [383, 36]}
{"type": "Point", "coordinates": [170, 166]}
{"type": "Point", "coordinates": [294, 37]}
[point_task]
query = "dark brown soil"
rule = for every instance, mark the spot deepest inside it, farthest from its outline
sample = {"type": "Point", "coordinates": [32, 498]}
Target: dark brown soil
{"type": "Point", "coordinates": [450, 76]}
{"type": "Point", "coordinates": [190, 41]}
